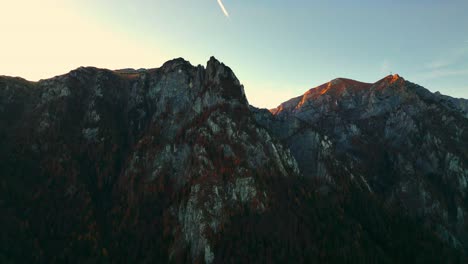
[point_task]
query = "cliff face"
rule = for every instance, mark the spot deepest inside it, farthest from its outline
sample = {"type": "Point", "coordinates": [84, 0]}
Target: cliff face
{"type": "Point", "coordinates": [98, 155]}
{"type": "Point", "coordinates": [394, 139]}
{"type": "Point", "coordinates": [171, 164]}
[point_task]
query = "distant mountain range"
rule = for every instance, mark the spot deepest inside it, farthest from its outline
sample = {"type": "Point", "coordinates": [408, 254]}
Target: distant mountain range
{"type": "Point", "coordinates": [173, 165]}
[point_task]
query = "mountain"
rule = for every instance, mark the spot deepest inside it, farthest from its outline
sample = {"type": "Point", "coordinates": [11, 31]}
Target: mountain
{"type": "Point", "coordinates": [460, 103]}
{"type": "Point", "coordinates": [396, 140]}
{"type": "Point", "coordinates": [173, 165]}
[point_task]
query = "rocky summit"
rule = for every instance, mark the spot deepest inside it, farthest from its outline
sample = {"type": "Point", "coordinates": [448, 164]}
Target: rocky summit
{"type": "Point", "coordinates": [172, 165]}
{"type": "Point", "coordinates": [393, 139]}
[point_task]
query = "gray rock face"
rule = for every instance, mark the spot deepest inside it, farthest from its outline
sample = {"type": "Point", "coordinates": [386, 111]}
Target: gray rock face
{"type": "Point", "coordinates": [200, 104]}
{"type": "Point", "coordinates": [118, 139]}
{"type": "Point", "coordinates": [393, 138]}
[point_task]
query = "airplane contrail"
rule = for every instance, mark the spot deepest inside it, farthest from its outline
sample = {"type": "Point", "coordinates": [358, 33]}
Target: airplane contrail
{"type": "Point", "coordinates": [223, 8]}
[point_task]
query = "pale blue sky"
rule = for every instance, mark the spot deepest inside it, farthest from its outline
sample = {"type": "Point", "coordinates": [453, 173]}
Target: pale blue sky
{"type": "Point", "coordinates": [278, 49]}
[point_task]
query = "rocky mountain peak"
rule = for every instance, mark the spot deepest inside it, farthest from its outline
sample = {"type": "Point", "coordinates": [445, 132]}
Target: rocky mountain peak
{"type": "Point", "coordinates": [347, 93]}
{"type": "Point", "coordinates": [396, 139]}
{"type": "Point", "coordinates": [392, 79]}
{"type": "Point", "coordinates": [396, 76]}
{"type": "Point", "coordinates": [176, 141]}
{"type": "Point", "coordinates": [175, 63]}
{"type": "Point", "coordinates": [341, 85]}
{"type": "Point", "coordinates": [332, 90]}
{"type": "Point", "coordinates": [215, 68]}
{"type": "Point", "coordinates": [221, 76]}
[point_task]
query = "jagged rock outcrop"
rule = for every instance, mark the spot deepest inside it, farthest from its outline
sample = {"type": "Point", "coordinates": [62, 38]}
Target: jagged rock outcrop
{"type": "Point", "coordinates": [393, 138]}
{"type": "Point", "coordinates": [107, 144]}
{"type": "Point", "coordinates": [171, 165]}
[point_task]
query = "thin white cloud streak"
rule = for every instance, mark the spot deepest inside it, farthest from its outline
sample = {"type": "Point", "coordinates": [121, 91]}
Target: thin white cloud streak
{"type": "Point", "coordinates": [451, 65]}
{"type": "Point", "coordinates": [441, 63]}
{"type": "Point", "coordinates": [441, 73]}
{"type": "Point", "coordinates": [220, 3]}
{"type": "Point", "coordinates": [449, 59]}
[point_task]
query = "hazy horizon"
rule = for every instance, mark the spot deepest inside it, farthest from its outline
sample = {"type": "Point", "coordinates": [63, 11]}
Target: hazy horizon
{"type": "Point", "coordinates": [277, 50]}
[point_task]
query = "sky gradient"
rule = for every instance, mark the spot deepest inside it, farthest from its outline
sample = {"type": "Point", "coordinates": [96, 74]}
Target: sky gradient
{"type": "Point", "coordinates": [278, 49]}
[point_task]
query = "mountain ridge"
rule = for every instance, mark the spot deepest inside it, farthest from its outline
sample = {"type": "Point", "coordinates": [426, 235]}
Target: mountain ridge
{"type": "Point", "coordinates": [172, 164]}
{"type": "Point", "coordinates": [338, 86]}
{"type": "Point", "coordinates": [372, 131]}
